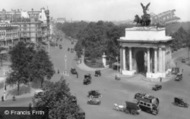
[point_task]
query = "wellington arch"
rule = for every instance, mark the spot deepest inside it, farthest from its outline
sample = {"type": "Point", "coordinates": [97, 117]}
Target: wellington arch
{"type": "Point", "coordinates": [145, 50]}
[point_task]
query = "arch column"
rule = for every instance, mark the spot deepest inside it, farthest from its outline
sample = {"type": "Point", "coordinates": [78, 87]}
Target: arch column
{"type": "Point", "coordinates": [163, 59]}
{"type": "Point", "coordinates": [130, 59]}
{"type": "Point", "coordinates": [160, 60]}
{"type": "Point", "coordinates": [124, 59]}
{"type": "Point", "coordinates": [121, 59]}
{"type": "Point", "coordinates": [155, 60]}
{"type": "Point", "coordinates": [148, 60]}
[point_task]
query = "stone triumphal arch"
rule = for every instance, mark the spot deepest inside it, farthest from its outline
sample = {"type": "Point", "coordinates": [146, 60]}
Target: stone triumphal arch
{"type": "Point", "coordinates": [145, 50]}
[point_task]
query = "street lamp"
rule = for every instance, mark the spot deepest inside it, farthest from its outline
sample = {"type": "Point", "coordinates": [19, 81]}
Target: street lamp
{"type": "Point", "coordinates": [66, 73]}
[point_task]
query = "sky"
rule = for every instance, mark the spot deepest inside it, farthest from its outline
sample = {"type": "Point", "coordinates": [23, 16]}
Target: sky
{"type": "Point", "coordinates": [106, 10]}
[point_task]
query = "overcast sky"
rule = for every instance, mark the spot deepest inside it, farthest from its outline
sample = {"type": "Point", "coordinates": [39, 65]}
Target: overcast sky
{"type": "Point", "coordinates": [93, 10]}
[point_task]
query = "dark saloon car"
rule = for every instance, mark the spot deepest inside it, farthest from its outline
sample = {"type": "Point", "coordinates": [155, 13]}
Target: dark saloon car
{"type": "Point", "coordinates": [87, 79]}
{"type": "Point", "coordinates": [97, 73]}
{"type": "Point", "coordinates": [180, 102]}
{"type": "Point", "coordinates": [157, 87]}
{"type": "Point", "coordinates": [73, 71]}
{"type": "Point", "coordinates": [94, 93]}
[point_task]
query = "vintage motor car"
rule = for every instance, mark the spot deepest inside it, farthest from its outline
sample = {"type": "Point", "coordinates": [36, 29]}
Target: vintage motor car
{"type": "Point", "coordinates": [97, 73]}
{"type": "Point", "coordinates": [94, 101]}
{"type": "Point", "coordinates": [157, 87]}
{"type": "Point", "coordinates": [81, 114]}
{"type": "Point", "coordinates": [73, 71]}
{"type": "Point", "coordinates": [87, 79]}
{"type": "Point", "coordinates": [94, 93]}
{"type": "Point", "coordinates": [179, 77]}
{"type": "Point", "coordinates": [147, 103]}
{"type": "Point", "coordinates": [179, 102]}
{"type": "Point", "coordinates": [130, 108]}
{"type": "Point", "coordinates": [175, 70]}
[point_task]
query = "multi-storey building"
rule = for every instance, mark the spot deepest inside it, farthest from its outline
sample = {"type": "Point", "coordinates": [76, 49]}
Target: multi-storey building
{"type": "Point", "coordinates": [31, 25]}
{"type": "Point", "coordinates": [9, 35]}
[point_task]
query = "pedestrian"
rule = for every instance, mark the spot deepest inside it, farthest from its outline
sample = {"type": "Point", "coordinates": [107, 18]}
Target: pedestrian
{"type": "Point", "coordinates": [30, 106]}
{"type": "Point", "coordinates": [58, 71]}
{"type": "Point", "coordinates": [160, 79]}
{"type": "Point", "coordinates": [5, 87]}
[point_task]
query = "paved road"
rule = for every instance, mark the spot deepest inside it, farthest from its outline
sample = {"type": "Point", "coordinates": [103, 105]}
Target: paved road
{"type": "Point", "coordinates": [119, 91]}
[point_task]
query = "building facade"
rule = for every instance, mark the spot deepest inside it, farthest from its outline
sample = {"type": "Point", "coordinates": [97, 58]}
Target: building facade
{"type": "Point", "coordinates": [145, 50]}
{"type": "Point", "coordinates": [9, 35]}
{"type": "Point", "coordinates": [32, 25]}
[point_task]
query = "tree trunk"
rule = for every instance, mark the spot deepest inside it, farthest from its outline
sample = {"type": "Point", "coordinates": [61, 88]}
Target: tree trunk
{"type": "Point", "coordinates": [18, 88]}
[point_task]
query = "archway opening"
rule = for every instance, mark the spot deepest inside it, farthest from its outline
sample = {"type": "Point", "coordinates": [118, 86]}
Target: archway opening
{"type": "Point", "coordinates": [140, 62]}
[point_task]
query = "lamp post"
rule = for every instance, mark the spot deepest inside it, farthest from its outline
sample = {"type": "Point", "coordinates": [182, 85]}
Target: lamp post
{"type": "Point", "coordinates": [65, 64]}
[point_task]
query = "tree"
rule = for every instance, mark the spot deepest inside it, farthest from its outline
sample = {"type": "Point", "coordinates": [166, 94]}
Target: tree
{"type": "Point", "coordinates": [41, 67]}
{"type": "Point", "coordinates": [57, 98]}
{"type": "Point", "coordinates": [113, 35]}
{"type": "Point", "coordinates": [180, 39]}
{"type": "Point", "coordinates": [188, 44]}
{"type": "Point", "coordinates": [3, 54]}
{"type": "Point", "coordinates": [21, 56]}
{"type": "Point", "coordinates": [71, 28]}
{"type": "Point", "coordinates": [100, 37]}
{"type": "Point", "coordinates": [29, 63]}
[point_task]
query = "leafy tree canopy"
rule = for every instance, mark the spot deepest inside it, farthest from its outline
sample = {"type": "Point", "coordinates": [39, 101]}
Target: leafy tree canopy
{"type": "Point", "coordinates": [57, 98]}
{"type": "Point", "coordinates": [28, 64]}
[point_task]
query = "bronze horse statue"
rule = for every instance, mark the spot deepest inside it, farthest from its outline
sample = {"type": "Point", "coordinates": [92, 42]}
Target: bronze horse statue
{"type": "Point", "coordinates": [145, 18]}
{"type": "Point", "coordinates": [143, 21]}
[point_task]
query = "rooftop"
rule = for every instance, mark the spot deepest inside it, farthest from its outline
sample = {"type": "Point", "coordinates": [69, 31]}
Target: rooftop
{"type": "Point", "coordinates": [146, 34]}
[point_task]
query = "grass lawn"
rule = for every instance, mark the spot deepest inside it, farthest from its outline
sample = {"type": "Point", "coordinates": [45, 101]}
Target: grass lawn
{"type": "Point", "coordinates": [95, 63]}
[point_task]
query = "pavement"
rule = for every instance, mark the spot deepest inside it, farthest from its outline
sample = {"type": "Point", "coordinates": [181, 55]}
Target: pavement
{"type": "Point", "coordinates": [84, 67]}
